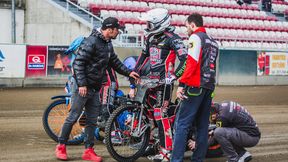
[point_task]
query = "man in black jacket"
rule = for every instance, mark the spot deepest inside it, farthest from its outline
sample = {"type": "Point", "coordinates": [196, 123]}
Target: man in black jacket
{"type": "Point", "coordinates": [93, 57]}
{"type": "Point", "coordinates": [235, 130]}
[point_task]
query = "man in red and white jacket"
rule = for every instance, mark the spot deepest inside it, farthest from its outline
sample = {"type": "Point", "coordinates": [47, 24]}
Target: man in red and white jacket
{"type": "Point", "coordinates": [195, 88]}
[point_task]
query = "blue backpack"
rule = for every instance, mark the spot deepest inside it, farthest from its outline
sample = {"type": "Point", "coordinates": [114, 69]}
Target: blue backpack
{"type": "Point", "coordinates": [73, 47]}
{"type": "Point", "coordinates": [72, 50]}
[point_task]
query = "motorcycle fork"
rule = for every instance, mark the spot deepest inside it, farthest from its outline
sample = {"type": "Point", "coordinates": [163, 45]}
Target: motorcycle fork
{"type": "Point", "coordinates": [139, 130]}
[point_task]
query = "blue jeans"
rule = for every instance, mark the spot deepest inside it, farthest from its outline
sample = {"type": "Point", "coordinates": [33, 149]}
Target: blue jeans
{"type": "Point", "coordinates": [92, 105]}
{"type": "Point", "coordinates": [196, 108]}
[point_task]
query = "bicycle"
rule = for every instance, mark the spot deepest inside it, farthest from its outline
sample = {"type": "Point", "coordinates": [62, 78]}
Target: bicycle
{"type": "Point", "coordinates": [54, 117]}
{"type": "Point", "coordinates": [55, 114]}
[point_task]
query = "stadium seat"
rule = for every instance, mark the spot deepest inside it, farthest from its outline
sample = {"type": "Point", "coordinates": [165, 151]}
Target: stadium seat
{"type": "Point", "coordinates": [253, 45]}
{"type": "Point", "coordinates": [104, 14]}
{"type": "Point", "coordinates": [129, 28]}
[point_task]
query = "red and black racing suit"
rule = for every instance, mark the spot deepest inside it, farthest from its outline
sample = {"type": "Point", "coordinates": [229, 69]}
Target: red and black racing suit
{"type": "Point", "coordinates": [108, 93]}
{"type": "Point", "coordinates": [161, 51]}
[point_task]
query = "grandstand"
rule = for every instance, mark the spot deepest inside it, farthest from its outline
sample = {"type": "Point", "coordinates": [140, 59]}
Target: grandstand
{"type": "Point", "coordinates": [232, 25]}
{"type": "Point", "coordinates": [244, 33]}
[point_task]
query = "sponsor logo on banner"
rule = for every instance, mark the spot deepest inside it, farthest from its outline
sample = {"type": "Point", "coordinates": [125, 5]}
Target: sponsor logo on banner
{"type": "Point", "coordinates": [36, 62]}
{"type": "Point", "coordinates": [1, 56]}
{"type": "Point", "coordinates": [1, 60]}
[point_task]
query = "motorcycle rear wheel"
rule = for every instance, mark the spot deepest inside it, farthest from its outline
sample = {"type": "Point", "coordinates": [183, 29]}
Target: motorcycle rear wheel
{"type": "Point", "coordinates": [53, 119]}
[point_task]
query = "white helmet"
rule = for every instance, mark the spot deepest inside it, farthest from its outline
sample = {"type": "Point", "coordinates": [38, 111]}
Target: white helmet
{"type": "Point", "coordinates": [157, 19]}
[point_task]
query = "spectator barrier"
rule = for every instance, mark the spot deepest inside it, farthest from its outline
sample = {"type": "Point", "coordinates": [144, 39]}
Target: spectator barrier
{"type": "Point", "coordinates": [47, 66]}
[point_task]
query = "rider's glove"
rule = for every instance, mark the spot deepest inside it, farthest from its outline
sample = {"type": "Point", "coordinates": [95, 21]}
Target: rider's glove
{"type": "Point", "coordinates": [170, 80]}
{"type": "Point", "coordinates": [132, 86]}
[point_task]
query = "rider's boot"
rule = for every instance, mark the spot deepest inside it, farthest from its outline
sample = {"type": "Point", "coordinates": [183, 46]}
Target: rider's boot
{"type": "Point", "coordinates": [61, 152]}
{"type": "Point", "coordinates": [150, 150]}
{"type": "Point", "coordinates": [163, 156]}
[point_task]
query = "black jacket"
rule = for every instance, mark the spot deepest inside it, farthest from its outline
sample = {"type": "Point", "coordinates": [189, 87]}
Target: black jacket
{"type": "Point", "coordinates": [233, 115]}
{"type": "Point", "coordinates": [92, 58]}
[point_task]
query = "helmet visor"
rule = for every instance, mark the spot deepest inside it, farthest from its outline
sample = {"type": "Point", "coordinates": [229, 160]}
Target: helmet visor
{"type": "Point", "coordinates": [150, 25]}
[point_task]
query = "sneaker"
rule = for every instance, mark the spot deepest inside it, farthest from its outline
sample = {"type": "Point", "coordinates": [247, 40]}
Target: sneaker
{"type": "Point", "coordinates": [161, 157]}
{"type": "Point", "coordinates": [90, 155]}
{"type": "Point", "coordinates": [61, 152]}
{"type": "Point", "coordinates": [245, 157]}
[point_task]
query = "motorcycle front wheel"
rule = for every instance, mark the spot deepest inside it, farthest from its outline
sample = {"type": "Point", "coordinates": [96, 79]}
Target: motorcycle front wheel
{"type": "Point", "coordinates": [126, 139]}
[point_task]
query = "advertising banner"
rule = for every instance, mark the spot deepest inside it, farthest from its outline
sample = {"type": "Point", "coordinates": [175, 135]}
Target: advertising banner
{"type": "Point", "coordinates": [58, 62]}
{"type": "Point", "coordinates": [12, 61]}
{"type": "Point", "coordinates": [261, 63]}
{"type": "Point", "coordinates": [272, 63]}
{"type": "Point", "coordinates": [278, 63]}
{"type": "Point", "coordinates": [36, 61]}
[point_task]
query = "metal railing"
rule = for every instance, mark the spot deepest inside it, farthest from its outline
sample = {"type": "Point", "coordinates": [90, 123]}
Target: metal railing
{"type": "Point", "coordinates": [92, 17]}
{"type": "Point", "coordinates": [130, 40]}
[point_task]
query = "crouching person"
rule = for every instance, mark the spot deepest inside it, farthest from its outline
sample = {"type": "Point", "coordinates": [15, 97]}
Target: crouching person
{"type": "Point", "coordinates": [236, 129]}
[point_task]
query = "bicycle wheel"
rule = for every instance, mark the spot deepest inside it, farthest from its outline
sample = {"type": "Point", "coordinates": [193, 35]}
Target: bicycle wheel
{"type": "Point", "coordinates": [122, 141]}
{"type": "Point", "coordinates": [53, 120]}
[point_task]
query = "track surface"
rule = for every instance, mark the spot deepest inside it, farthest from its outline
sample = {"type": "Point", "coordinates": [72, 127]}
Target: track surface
{"type": "Point", "coordinates": [22, 137]}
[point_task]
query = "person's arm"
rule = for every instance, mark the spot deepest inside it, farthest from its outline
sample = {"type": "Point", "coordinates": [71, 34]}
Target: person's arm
{"type": "Point", "coordinates": [118, 66]}
{"type": "Point", "coordinates": [142, 59]}
{"type": "Point", "coordinates": [193, 58]}
{"type": "Point", "coordinates": [178, 46]}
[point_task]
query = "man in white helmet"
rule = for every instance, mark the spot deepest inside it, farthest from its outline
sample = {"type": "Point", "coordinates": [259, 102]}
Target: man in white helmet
{"type": "Point", "coordinates": [162, 46]}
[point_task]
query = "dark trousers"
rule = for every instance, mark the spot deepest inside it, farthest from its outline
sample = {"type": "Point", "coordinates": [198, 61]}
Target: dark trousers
{"type": "Point", "coordinates": [92, 104]}
{"type": "Point", "coordinates": [196, 108]}
{"type": "Point", "coordinates": [233, 141]}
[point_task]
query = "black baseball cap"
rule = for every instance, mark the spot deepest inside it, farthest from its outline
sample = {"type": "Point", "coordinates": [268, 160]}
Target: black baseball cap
{"type": "Point", "coordinates": [111, 22]}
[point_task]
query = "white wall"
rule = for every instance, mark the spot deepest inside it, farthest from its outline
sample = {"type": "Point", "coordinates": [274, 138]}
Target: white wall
{"type": "Point", "coordinates": [6, 26]}
{"type": "Point", "coordinates": [46, 24]}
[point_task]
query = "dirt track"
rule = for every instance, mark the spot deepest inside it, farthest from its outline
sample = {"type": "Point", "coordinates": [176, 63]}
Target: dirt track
{"type": "Point", "coordinates": [22, 137]}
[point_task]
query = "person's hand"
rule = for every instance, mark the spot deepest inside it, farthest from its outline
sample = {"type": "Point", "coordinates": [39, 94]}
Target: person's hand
{"type": "Point", "coordinates": [132, 93]}
{"type": "Point", "coordinates": [83, 91]}
{"type": "Point", "coordinates": [170, 80]}
{"type": "Point", "coordinates": [134, 75]}
{"type": "Point", "coordinates": [191, 144]}
{"type": "Point", "coordinates": [180, 93]}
